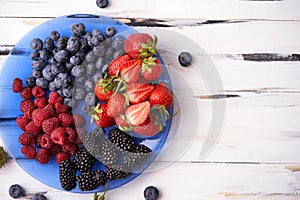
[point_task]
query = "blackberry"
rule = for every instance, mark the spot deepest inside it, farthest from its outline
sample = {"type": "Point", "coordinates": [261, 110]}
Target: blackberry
{"type": "Point", "coordinates": [121, 139]}
{"type": "Point", "coordinates": [67, 175]}
{"type": "Point", "coordinates": [137, 157]}
{"type": "Point", "coordinates": [91, 141]}
{"type": "Point", "coordinates": [91, 180]}
{"type": "Point", "coordinates": [83, 160]}
{"type": "Point", "coordinates": [90, 99]}
{"type": "Point", "coordinates": [108, 154]}
{"type": "Point", "coordinates": [117, 172]}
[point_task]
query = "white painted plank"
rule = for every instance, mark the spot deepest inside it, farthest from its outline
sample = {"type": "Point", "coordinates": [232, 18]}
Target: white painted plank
{"type": "Point", "coordinates": [205, 9]}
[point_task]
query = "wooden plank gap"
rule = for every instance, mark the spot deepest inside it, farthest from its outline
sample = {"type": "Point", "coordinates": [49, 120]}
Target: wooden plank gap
{"type": "Point", "coordinates": [295, 168]}
{"type": "Point", "coordinates": [217, 96]}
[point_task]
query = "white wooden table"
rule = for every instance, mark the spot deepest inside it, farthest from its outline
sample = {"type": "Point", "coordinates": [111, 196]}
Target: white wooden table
{"type": "Point", "coordinates": [255, 47]}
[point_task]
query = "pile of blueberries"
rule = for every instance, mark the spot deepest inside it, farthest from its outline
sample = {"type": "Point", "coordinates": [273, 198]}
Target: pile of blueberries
{"type": "Point", "coordinates": [72, 65]}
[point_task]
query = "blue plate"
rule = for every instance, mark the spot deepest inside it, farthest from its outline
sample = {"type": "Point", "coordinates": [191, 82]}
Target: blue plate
{"type": "Point", "coordinates": [18, 64]}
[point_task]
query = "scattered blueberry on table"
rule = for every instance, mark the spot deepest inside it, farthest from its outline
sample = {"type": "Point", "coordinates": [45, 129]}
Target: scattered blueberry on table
{"type": "Point", "coordinates": [102, 3]}
{"type": "Point", "coordinates": [185, 59]}
{"type": "Point", "coordinates": [151, 193]}
{"type": "Point", "coordinates": [16, 191]}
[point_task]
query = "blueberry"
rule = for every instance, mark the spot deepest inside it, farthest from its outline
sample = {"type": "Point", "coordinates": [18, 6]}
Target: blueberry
{"type": "Point", "coordinates": [62, 42]}
{"type": "Point", "coordinates": [86, 34]}
{"type": "Point", "coordinates": [79, 93]}
{"type": "Point", "coordinates": [55, 50]}
{"type": "Point", "coordinates": [100, 62]}
{"type": "Point", "coordinates": [94, 41]}
{"type": "Point", "coordinates": [71, 102]}
{"type": "Point", "coordinates": [75, 60]}
{"type": "Point", "coordinates": [34, 55]}
{"type": "Point", "coordinates": [89, 85]}
{"type": "Point", "coordinates": [38, 64]}
{"type": "Point", "coordinates": [104, 69]}
{"type": "Point", "coordinates": [90, 99]}
{"type": "Point", "coordinates": [69, 66]}
{"type": "Point", "coordinates": [78, 29]}
{"type": "Point", "coordinates": [44, 54]}
{"type": "Point", "coordinates": [52, 86]}
{"type": "Point", "coordinates": [37, 73]}
{"type": "Point", "coordinates": [108, 42]}
{"type": "Point", "coordinates": [77, 70]}
{"type": "Point", "coordinates": [49, 44]}
{"type": "Point", "coordinates": [39, 196]}
{"type": "Point", "coordinates": [42, 82]}
{"type": "Point", "coordinates": [102, 3]}
{"type": "Point", "coordinates": [118, 53]}
{"type": "Point", "coordinates": [68, 91]}
{"type": "Point", "coordinates": [80, 55]}
{"type": "Point", "coordinates": [86, 108]}
{"type": "Point", "coordinates": [73, 44]}
{"type": "Point", "coordinates": [84, 45]}
{"type": "Point", "coordinates": [90, 57]}
{"type": "Point", "coordinates": [99, 50]}
{"type": "Point", "coordinates": [109, 53]}
{"type": "Point", "coordinates": [62, 56]}
{"type": "Point", "coordinates": [185, 59]}
{"type": "Point", "coordinates": [57, 68]}
{"type": "Point", "coordinates": [62, 80]}
{"type": "Point", "coordinates": [117, 43]}
{"type": "Point", "coordinates": [151, 193]}
{"type": "Point", "coordinates": [16, 191]}
{"type": "Point", "coordinates": [110, 31]}
{"type": "Point", "coordinates": [97, 76]}
{"type": "Point", "coordinates": [60, 92]}
{"type": "Point", "coordinates": [54, 35]}
{"type": "Point", "coordinates": [36, 44]}
{"type": "Point", "coordinates": [30, 81]}
{"type": "Point", "coordinates": [81, 79]}
{"type": "Point", "coordinates": [51, 60]}
{"type": "Point", "coordinates": [90, 69]}
{"type": "Point", "coordinates": [96, 32]}
{"type": "Point", "coordinates": [47, 73]}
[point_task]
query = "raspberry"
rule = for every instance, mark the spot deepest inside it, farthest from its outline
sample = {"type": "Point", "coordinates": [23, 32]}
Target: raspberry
{"type": "Point", "coordinates": [54, 98]}
{"type": "Point", "coordinates": [32, 128]}
{"type": "Point", "coordinates": [61, 108]}
{"type": "Point", "coordinates": [17, 85]}
{"type": "Point", "coordinates": [61, 157]}
{"type": "Point", "coordinates": [38, 139]}
{"type": "Point", "coordinates": [38, 92]}
{"type": "Point", "coordinates": [26, 105]}
{"type": "Point", "coordinates": [50, 110]}
{"type": "Point", "coordinates": [22, 121]}
{"type": "Point", "coordinates": [55, 149]}
{"type": "Point", "coordinates": [38, 116]}
{"type": "Point", "coordinates": [26, 139]}
{"type": "Point", "coordinates": [70, 148]}
{"type": "Point", "coordinates": [50, 124]}
{"type": "Point", "coordinates": [40, 102]}
{"type": "Point", "coordinates": [71, 135]}
{"type": "Point", "coordinates": [66, 119]}
{"type": "Point", "coordinates": [79, 120]}
{"type": "Point", "coordinates": [43, 156]}
{"type": "Point", "coordinates": [26, 93]}
{"type": "Point", "coordinates": [46, 142]}
{"type": "Point", "coordinates": [28, 113]}
{"type": "Point", "coordinates": [29, 151]}
{"type": "Point", "coordinates": [58, 136]}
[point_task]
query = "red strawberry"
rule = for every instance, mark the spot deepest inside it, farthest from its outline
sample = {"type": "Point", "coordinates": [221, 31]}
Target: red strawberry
{"type": "Point", "coordinates": [61, 157]}
{"type": "Point", "coordinates": [151, 69]}
{"type": "Point", "coordinates": [26, 93]}
{"type": "Point", "coordinates": [46, 141]}
{"type": "Point", "coordinates": [40, 102]}
{"type": "Point", "coordinates": [55, 149]}
{"type": "Point", "coordinates": [137, 114]}
{"type": "Point", "coordinates": [50, 124]}
{"type": "Point", "coordinates": [38, 92]}
{"type": "Point", "coordinates": [79, 120]}
{"type": "Point", "coordinates": [32, 128]}
{"type": "Point", "coordinates": [38, 116]}
{"type": "Point", "coordinates": [54, 98]}
{"type": "Point", "coordinates": [140, 45]}
{"type": "Point", "coordinates": [17, 85]}
{"type": "Point", "coordinates": [58, 136]}
{"type": "Point", "coordinates": [43, 156]}
{"type": "Point", "coordinates": [26, 139]}
{"type": "Point", "coordinates": [61, 108]}
{"type": "Point", "coordinates": [26, 105]}
{"type": "Point", "coordinates": [50, 110]}
{"type": "Point", "coordinates": [104, 88]}
{"type": "Point", "coordinates": [122, 123]}
{"type": "Point", "coordinates": [114, 67]}
{"type": "Point", "coordinates": [100, 117]}
{"type": "Point", "coordinates": [29, 151]}
{"type": "Point", "coordinates": [22, 121]}
{"type": "Point", "coordinates": [138, 92]}
{"type": "Point", "coordinates": [66, 119]}
{"type": "Point", "coordinates": [70, 148]}
{"type": "Point", "coordinates": [130, 70]}
{"type": "Point", "coordinates": [71, 135]}
{"type": "Point", "coordinates": [161, 95]}
{"type": "Point", "coordinates": [116, 105]}
{"type": "Point", "coordinates": [149, 128]}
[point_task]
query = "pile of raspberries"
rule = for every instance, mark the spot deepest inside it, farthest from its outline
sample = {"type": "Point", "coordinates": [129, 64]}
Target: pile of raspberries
{"type": "Point", "coordinates": [49, 128]}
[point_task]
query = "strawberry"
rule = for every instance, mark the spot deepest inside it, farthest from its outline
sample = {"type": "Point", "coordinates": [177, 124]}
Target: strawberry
{"type": "Point", "coordinates": [116, 105]}
{"type": "Point", "coordinates": [66, 119]}
{"type": "Point", "coordinates": [26, 139]}
{"type": "Point", "coordinates": [137, 114]}
{"type": "Point", "coordinates": [114, 67]}
{"type": "Point", "coordinates": [54, 98]}
{"type": "Point", "coordinates": [122, 123]}
{"type": "Point", "coordinates": [61, 108]}
{"type": "Point", "coordinates": [32, 128]}
{"type": "Point", "coordinates": [22, 121]}
{"type": "Point", "coordinates": [70, 148]}
{"type": "Point", "coordinates": [42, 156]}
{"type": "Point", "coordinates": [151, 69]}
{"type": "Point", "coordinates": [140, 45]}
{"type": "Point", "coordinates": [104, 88]}
{"type": "Point", "coordinates": [38, 116]}
{"type": "Point", "coordinates": [38, 92]}
{"type": "Point", "coordinates": [100, 117]}
{"type": "Point", "coordinates": [29, 151]}
{"type": "Point", "coordinates": [46, 141]}
{"type": "Point", "coordinates": [40, 102]}
{"type": "Point", "coordinates": [130, 70]}
{"type": "Point", "coordinates": [50, 124]}
{"type": "Point", "coordinates": [17, 85]}
{"type": "Point", "coordinates": [26, 105]}
{"type": "Point", "coordinates": [161, 95]}
{"type": "Point", "coordinates": [71, 135]}
{"type": "Point", "coordinates": [26, 93]}
{"type": "Point", "coordinates": [61, 157]}
{"type": "Point", "coordinates": [79, 120]}
{"type": "Point", "coordinates": [149, 128]}
{"type": "Point", "coordinates": [138, 92]}
{"type": "Point", "coordinates": [58, 136]}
